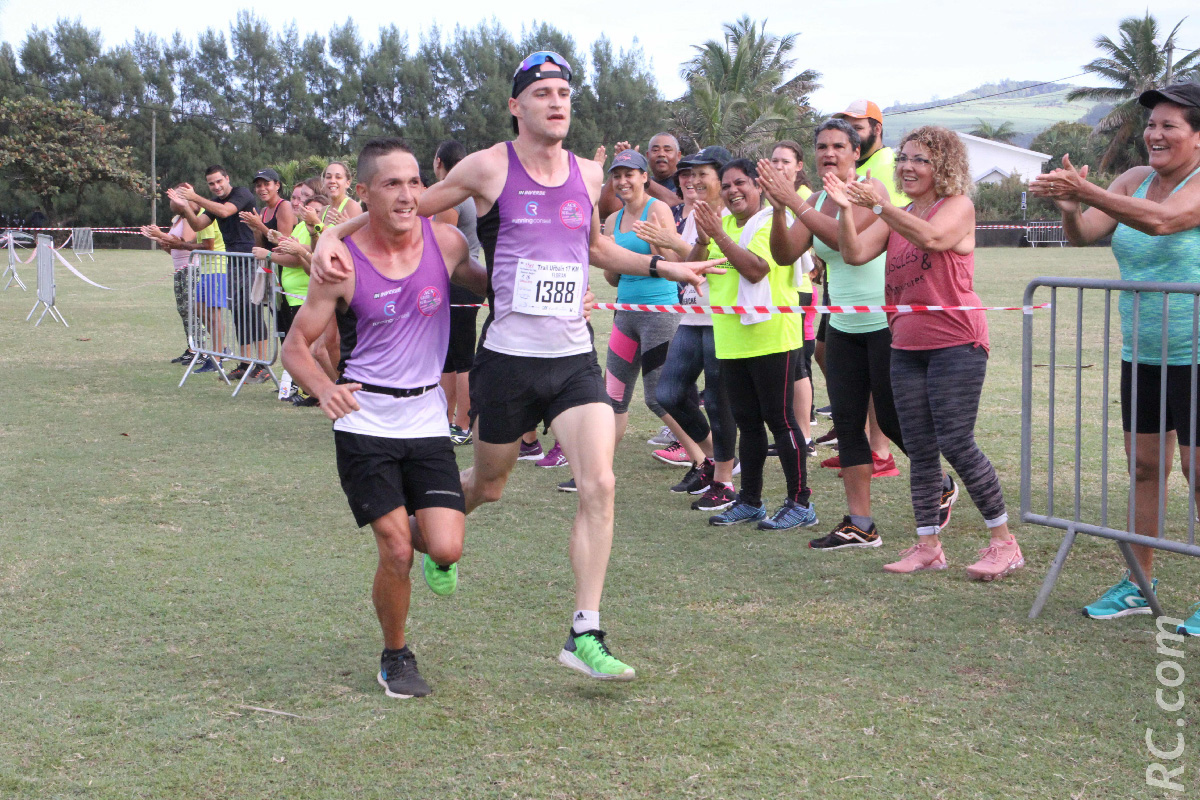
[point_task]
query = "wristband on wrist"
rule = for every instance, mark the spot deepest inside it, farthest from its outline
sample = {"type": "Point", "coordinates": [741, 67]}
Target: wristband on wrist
{"type": "Point", "coordinates": [654, 265]}
{"type": "Point", "coordinates": [807, 209]}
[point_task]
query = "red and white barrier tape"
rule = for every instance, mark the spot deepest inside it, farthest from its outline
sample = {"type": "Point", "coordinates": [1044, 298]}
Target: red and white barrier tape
{"type": "Point", "coordinates": [79, 274]}
{"type": "Point", "coordinates": [903, 309]}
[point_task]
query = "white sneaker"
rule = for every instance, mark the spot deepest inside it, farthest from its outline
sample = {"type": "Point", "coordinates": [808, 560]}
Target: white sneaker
{"type": "Point", "coordinates": [663, 438]}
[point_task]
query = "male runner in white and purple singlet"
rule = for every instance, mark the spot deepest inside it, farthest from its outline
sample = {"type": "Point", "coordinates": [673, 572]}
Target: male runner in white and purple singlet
{"type": "Point", "coordinates": [389, 413]}
{"type": "Point", "coordinates": [536, 360]}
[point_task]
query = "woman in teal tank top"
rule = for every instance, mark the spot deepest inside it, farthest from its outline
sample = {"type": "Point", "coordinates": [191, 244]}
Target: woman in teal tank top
{"type": "Point", "coordinates": [639, 340]}
{"type": "Point", "coordinates": [1153, 214]}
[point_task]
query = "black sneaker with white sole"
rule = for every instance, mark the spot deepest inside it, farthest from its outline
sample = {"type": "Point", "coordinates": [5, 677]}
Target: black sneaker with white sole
{"type": "Point", "coordinates": [717, 497]}
{"type": "Point", "coordinates": [847, 534]}
{"type": "Point", "coordinates": [399, 677]}
{"type": "Point", "coordinates": [698, 478]}
{"type": "Point", "coordinates": [568, 486]}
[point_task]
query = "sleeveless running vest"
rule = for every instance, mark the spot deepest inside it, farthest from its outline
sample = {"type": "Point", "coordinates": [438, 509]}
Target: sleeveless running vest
{"type": "Point", "coordinates": [402, 326]}
{"type": "Point", "coordinates": [536, 239]}
{"type": "Point", "coordinates": [398, 332]}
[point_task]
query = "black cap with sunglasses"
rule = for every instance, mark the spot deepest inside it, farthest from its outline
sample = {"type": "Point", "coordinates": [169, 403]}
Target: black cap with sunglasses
{"type": "Point", "coordinates": [529, 72]}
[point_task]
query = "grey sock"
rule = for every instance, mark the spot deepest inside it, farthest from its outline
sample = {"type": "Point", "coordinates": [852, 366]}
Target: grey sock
{"type": "Point", "coordinates": [947, 483]}
{"type": "Point", "coordinates": [862, 523]}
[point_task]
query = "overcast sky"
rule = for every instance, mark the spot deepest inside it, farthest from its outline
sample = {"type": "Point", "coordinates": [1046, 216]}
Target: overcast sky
{"type": "Point", "coordinates": [885, 51]}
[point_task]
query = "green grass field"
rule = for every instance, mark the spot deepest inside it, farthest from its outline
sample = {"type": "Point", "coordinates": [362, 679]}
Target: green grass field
{"type": "Point", "coordinates": [171, 558]}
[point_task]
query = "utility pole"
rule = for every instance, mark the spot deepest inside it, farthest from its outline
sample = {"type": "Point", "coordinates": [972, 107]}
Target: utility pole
{"type": "Point", "coordinates": [153, 168]}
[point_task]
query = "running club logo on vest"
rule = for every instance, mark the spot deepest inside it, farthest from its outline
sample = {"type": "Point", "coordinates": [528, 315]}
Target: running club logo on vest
{"type": "Point", "coordinates": [390, 308]}
{"type": "Point", "coordinates": [429, 300]}
{"type": "Point", "coordinates": [531, 208]}
{"type": "Point", "coordinates": [570, 214]}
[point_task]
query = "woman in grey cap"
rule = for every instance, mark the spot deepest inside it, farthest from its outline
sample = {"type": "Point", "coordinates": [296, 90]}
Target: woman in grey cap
{"type": "Point", "coordinates": [1153, 215]}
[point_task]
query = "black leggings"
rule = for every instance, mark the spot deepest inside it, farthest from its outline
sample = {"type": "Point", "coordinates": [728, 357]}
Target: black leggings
{"type": "Point", "coordinates": [859, 369]}
{"type": "Point", "coordinates": [760, 391]}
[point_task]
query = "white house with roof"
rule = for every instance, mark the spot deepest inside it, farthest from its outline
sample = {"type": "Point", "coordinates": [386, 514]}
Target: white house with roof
{"type": "Point", "coordinates": [992, 162]}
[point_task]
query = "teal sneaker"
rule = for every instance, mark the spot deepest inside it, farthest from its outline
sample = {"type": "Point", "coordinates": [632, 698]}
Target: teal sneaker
{"type": "Point", "coordinates": [442, 580]}
{"type": "Point", "coordinates": [790, 515]}
{"type": "Point", "coordinates": [1121, 600]}
{"type": "Point", "coordinates": [740, 511]}
{"type": "Point", "coordinates": [588, 653]}
{"type": "Point", "coordinates": [1191, 625]}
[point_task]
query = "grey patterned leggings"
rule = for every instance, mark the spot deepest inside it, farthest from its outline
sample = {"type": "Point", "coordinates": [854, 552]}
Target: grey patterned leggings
{"type": "Point", "coordinates": [639, 340]}
{"type": "Point", "coordinates": [937, 399]}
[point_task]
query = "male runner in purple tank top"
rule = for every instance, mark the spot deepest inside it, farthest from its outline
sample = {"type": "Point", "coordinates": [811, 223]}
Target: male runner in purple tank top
{"type": "Point", "coordinates": [394, 457]}
{"type": "Point", "coordinates": [536, 361]}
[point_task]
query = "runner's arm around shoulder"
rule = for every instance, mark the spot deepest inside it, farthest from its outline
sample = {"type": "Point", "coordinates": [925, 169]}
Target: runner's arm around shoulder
{"type": "Point", "coordinates": [464, 271]}
{"type": "Point", "coordinates": [480, 175]}
{"type": "Point", "coordinates": [331, 258]}
{"type": "Point", "coordinates": [311, 320]}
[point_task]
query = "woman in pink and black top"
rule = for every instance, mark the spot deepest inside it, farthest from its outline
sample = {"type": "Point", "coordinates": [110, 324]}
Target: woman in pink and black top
{"type": "Point", "coordinates": [939, 359]}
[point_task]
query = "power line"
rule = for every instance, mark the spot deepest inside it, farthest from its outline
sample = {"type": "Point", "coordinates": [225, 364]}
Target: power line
{"type": "Point", "coordinates": [983, 97]}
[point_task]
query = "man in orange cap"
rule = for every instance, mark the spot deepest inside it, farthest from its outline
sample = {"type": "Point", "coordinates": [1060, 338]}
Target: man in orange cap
{"type": "Point", "coordinates": [866, 118]}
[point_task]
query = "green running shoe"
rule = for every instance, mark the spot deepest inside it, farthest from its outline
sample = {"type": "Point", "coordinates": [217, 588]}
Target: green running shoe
{"type": "Point", "coordinates": [1191, 625]}
{"type": "Point", "coordinates": [1123, 599]}
{"type": "Point", "coordinates": [442, 580]}
{"type": "Point", "coordinates": [588, 653]}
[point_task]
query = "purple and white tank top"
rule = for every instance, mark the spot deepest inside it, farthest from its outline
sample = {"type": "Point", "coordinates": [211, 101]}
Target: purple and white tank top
{"type": "Point", "coordinates": [539, 266]}
{"type": "Point", "coordinates": [402, 331]}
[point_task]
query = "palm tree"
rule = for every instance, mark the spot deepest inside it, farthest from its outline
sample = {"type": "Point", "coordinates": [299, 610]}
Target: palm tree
{"type": "Point", "coordinates": [1005, 132]}
{"type": "Point", "coordinates": [737, 95]}
{"type": "Point", "coordinates": [1136, 64]}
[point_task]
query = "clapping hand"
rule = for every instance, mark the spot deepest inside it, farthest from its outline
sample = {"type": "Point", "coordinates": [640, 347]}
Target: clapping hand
{"type": "Point", "coordinates": [252, 219]}
{"type": "Point", "coordinates": [600, 155]}
{"type": "Point", "coordinates": [1061, 185]}
{"type": "Point", "coordinates": [660, 236]}
{"type": "Point", "coordinates": [775, 187]}
{"type": "Point", "coordinates": [866, 193]}
{"type": "Point", "coordinates": [835, 189]}
{"type": "Point", "coordinates": [708, 224]}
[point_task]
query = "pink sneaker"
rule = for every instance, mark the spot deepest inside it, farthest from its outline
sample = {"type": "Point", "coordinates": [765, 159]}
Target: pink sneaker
{"type": "Point", "coordinates": [675, 455]}
{"type": "Point", "coordinates": [554, 458]}
{"type": "Point", "coordinates": [918, 557]}
{"type": "Point", "coordinates": [996, 561]}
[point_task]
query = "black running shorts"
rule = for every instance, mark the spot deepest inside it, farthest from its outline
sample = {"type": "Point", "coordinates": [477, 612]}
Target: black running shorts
{"type": "Point", "coordinates": [1179, 399]}
{"type": "Point", "coordinates": [511, 395]}
{"type": "Point", "coordinates": [379, 474]}
{"type": "Point", "coordinates": [461, 352]}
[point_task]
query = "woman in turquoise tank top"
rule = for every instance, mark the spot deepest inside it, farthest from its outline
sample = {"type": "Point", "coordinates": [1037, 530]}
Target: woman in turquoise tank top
{"type": "Point", "coordinates": [1153, 214]}
{"type": "Point", "coordinates": [640, 339]}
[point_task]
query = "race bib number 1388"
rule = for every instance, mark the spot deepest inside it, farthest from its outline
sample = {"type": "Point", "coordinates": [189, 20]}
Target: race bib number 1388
{"type": "Point", "coordinates": [548, 288]}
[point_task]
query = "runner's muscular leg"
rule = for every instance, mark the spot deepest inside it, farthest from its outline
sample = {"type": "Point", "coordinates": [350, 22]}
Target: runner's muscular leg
{"type": "Point", "coordinates": [440, 532]}
{"type": "Point", "coordinates": [483, 482]}
{"type": "Point", "coordinates": [393, 587]}
{"type": "Point", "coordinates": [586, 434]}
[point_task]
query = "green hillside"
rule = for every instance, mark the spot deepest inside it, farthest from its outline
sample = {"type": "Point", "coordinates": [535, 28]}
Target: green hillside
{"type": "Point", "coordinates": [1029, 115]}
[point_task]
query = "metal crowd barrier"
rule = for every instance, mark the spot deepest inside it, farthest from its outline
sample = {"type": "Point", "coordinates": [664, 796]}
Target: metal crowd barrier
{"type": "Point", "coordinates": [11, 238]}
{"type": "Point", "coordinates": [81, 243]}
{"type": "Point", "coordinates": [1045, 233]}
{"type": "Point", "coordinates": [1075, 457]}
{"type": "Point", "coordinates": [228, 320]}
{"type": "Point", "coordinates": [45, 281]}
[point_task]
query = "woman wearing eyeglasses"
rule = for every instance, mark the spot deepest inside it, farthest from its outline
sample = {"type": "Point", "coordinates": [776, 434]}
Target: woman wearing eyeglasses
{"type": "Point", "coordinates": [939, 359]}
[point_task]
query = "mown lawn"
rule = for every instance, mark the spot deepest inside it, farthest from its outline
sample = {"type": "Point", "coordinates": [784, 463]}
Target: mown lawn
{"type": "Point", "coordinates": [172, 559]}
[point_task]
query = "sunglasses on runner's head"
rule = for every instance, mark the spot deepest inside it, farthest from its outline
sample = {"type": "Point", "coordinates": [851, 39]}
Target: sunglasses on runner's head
{"type": "Point", "coordinates": [541, 57]}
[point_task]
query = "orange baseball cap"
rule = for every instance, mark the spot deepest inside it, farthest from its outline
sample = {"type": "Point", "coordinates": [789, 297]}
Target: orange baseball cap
{"type": "Point", "coordinates": [862, 109]}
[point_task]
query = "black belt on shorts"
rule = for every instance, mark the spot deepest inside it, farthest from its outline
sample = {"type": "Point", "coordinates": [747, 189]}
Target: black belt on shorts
{"type": "Point", "coordinates": [388, 390]}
